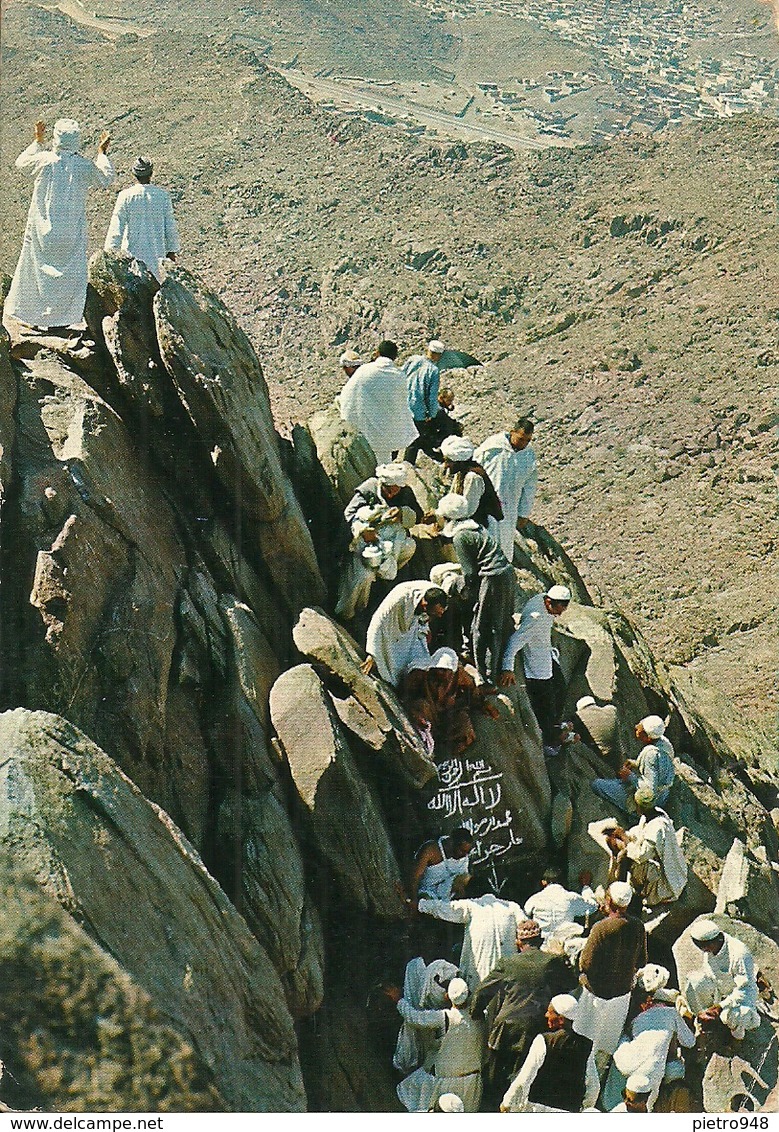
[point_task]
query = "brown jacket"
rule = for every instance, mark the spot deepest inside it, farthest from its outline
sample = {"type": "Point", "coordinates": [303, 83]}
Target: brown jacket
{"type": "Point", "coordinates": [614, 951]}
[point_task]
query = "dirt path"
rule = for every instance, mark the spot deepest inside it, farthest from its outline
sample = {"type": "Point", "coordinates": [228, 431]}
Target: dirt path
{"type": "Point", "coordinates": [111, 26]}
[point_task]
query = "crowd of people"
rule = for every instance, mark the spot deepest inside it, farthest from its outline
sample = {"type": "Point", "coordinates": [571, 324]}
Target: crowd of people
{"type": "Point", "coordinates": [552, 1003]}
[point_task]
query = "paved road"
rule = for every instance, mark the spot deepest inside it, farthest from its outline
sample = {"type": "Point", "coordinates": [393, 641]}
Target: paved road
{"type": "Point", "coordinates": [390, 104]}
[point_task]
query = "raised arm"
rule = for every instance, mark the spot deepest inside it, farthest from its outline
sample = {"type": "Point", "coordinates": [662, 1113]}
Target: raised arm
{"type": "Point", "coordinates": [35, 156]}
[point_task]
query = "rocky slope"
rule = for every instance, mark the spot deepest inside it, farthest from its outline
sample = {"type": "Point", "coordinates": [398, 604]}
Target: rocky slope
{"type": "Point", "coordinates": [204, 803]}
{"type": "Point", "coordinates": [624, 295]}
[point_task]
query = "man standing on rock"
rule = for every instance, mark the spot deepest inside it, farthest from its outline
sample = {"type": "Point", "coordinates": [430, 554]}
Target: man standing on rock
{"type": "Point", "coordinates": [375, 402]}
{"type": "Point", "coordinates": [49, 286]}
{"type": "Point", "coordinates": [423, 378]}
{"type": "Point", "coordinates": [542, 673]}
{"type": "Point", "coordinates": [143, 223]}
{"type": "Point", "coordinates": [510, 462]}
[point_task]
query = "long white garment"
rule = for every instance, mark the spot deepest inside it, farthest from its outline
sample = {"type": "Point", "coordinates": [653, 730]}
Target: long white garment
{"type": "Point", "coordinates": [658, 861]}
{"type": "Point", "coordinates": [49, 286]}
{"type": "Point", "coordinates": [490, 931]}
{"type": "Point", "coordinates": [457, 1066]}
{"type": "Point", "coordinates": [727, 980]}
{"type": "Point", "coordinates": [395, 630]}
{"type": "Point", "coordinates": [555, 905]}
{"type": "Point", "coordinates": [143, 225]}
{"type": "Point", "coordinates": [375, 402]}
{"type": "Point", "coordinates": [601, 1020]}
{"type": "Point", "coordinates": [515, 478]}
{"type": "Point", "coordinates": [645, 1050]}
{"type": "Point", "coordinates": [424, 988]}
{"type": "Point", "coordinates": [534, 637]}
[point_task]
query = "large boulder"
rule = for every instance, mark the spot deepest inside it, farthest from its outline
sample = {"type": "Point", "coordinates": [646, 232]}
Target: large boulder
{"type": "Point", "coordinates": [345, 455]}
{"type": "Point", "coordinates": [120, 867]}
{"type": "Point", "coordinates": [367, 707]}
{"type": "Point", "coordinates": [342, 817]}
{"type": "Point", "coordinates": [220, 383]}
{"type": "Point", "coordinates": [748, 889]}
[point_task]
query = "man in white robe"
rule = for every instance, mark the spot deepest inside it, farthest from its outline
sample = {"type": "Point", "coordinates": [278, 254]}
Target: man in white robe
{"type": "Point", "coordinates": [375, 402]}
{"type": "Point", "coordinates": [143, 223]}
{"type": "Point", "coordinates": [397, 633]}
{"type": "Point", "coordinates": [456, 1067]}
{"type": "Point", "coordinates": [554, 905]}
{"type": "Point", "coordinates": [49, 286]}
{"type": "Point", "coordinates": [490, 931]}
{"type": "Point", "coordinates": [724, 987]}
{"type": "Point", "coordinates": [424, 988]}
{"type": "Point", "coordinates": [510, 462]}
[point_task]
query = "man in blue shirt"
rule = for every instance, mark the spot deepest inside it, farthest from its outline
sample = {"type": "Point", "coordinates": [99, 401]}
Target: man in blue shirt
{"type": "Point", "coordinates": [424, 379]}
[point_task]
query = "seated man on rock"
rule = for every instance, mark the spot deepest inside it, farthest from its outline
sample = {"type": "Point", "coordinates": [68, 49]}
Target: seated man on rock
{"type": "Point", "coordinates": [380, 513]}
{"type": "Point", "coordinates": [645, 782]}
{"type": "Point", "coordinates": [724, 988]}
{"type": "Point", "coordinates": [649, 854]}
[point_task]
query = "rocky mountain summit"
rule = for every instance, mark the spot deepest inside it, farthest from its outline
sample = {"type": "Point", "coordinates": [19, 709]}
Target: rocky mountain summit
{"type": "Point", "coordinates": [206, 808]}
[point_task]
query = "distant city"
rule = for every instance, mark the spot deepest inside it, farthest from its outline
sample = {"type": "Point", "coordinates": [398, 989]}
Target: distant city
{"type": "Point", "coordinates": [650, 66]}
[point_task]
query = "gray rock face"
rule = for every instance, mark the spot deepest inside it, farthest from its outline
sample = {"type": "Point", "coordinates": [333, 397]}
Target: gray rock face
{"type": "Point", "coordinates": [370, 709]}
{"type": "Point", "coordinates": [7, 405]}
{"type": "Point", "coordinates": [748, 889]}
{"type": "Point", "coordinates": [121, 867]}
{"type": "Point", "coordinates": [342, 817]}
{"type": "Point", "coordinates": [344, 453]}
{"type": "Point", "coordinates": [220, 383]}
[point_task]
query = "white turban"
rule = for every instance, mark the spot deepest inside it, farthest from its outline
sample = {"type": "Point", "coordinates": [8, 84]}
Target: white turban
{"type": "Point", "coordinates": [457, 992]}
{"type": "Point", "coordinates": [446, 658]}
{"type": "Point", "coordinates": [653, 726]}
{"type": "Point", "coordinates": [450, 1102]}
{"type": "Point", "coordinates": [638, 1083]}
{"type": "Point", "coordinates": [652, 978]}
{"type": "Point", "coordinates": [396, 474]}
{"type": "Point", "coordinates": [566, 1005]}
{"type": "Point", "coordinates": [436, 346]}
{"type": "Point", "coordinates": [349, 358]}
{"type": "Point", "coordinates": [704, 931]}
{"type": "Point", "coordinates": [457, 449]}
{"type": "Point", "coordinates": [558, 593]}
{"type": "Point", "coordinates": [620, 893]}
{"type": "Point", "coordinates": [447, 575]}
{"type": "Point", "coordinates": [67, 135]}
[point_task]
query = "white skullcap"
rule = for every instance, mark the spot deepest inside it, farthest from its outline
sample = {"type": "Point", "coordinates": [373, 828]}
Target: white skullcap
{"type": "Point", "coordinates": [453, 506]}
{"type": "Point", "coordinates": [396, 474]}
{"type": "Point", "coordinates": [457, 992]}
{"type": "Point", "coordinates": [704, 931]}
{"type": "Point", "coordinates": [450, 1102]}
{"type": "Point", "coordinates": [566, 1005]}
{"type": "Point", "coordinates": [585, 701]}
{"type": "Point", "coordinates": [365, 514]}
{"type": "Point", "coordinates": [638, 1083]}
{"type": "Point", "coordinates": [372, 554]}
{"type": "Point", "coordinates": [442, 572]}
{"type": "Point", "coordinates": [67, 135]}
{"type": "Point", "coordinates": [349, 358]}
{"type": "Point", "coordinates": [652, 977]}
{"type": "Point", "coordinates": [436, 346]}
{"type": "Point", "coordinates": [457, 449]}
{"type": "Point", "coordinates": [446, 658]}
{"type": "Point", "coordinates": [558, 593]}
{"type": "Point", "coordinates": [620, 893]}
{"type": "Point", "coordinates": [653, 726]}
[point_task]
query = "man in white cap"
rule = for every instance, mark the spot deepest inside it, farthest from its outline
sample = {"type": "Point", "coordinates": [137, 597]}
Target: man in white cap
{"type": "Point", "coordinates": [375, 402]}
{"type": "Point", "coordinates": [724, 987]}
{"type": "Point", "coordinates": [423, 379]}
{"type": "Point", "coordinates": [552, 1076]}
{"type": "Point", "coordinates": [643, 783]}
{"type": "Point", "coordinates": [614, 951]}
{"type": "Point", "coordinates": [49, 286]}
{"type": "Point", "coordinates": [350, 362]}
{"type": "Point", "coordinates": [457, 1065]}
{"type": "Point", "coordinates": [449, 1102]}
{"type": "Point", "coordinates": [543, 679]}
{"type": "Point", "coordinates": [398, 632]}
{"type": "Point", "coordinates": [490, 584]}
{"type": "Point", "coordinates": [598, 727]}
{"type": "Point", "coordinates": [510, 463]}
{"type": "Point", "coordinates": [380, 514]}
{"type": "Point", "coordinates": [469, 479]}
{"type": "Point", "coordinates": [651, 1036]}
{"type": "Point", "coordinates": [636, 1094]}
{"type": "Point", "coordinates": [143, 224]}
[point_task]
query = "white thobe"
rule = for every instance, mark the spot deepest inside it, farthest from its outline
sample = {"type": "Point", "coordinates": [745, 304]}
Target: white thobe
{"type": "Point", "coordinates": [656, 843]}
{"type": "Point", "coordinates": [375, 402]}
{"type": "Point", "coordinates": [457, 1067]}
{"type": "Point", "coordinates": [726, 979]}
{"type": "Point", "coordinates": [534, 637]}
{"type": "Point", "coordinates": [490, 931]}
{"type": "Point", "coordinates": [646, 1050]}
{"type": "Point", "coordinates": [49, 286]}
{"type": "Point", "coordinates": [514, 476]}
{"type": "Point", "coordinates": [397, 637]}
{"type": "Point", "coordinates": [143, 225]}
{"type": "Point", "coordinates": [555, 905]}
{"type": "Point", "coordinates": [424, 988]}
